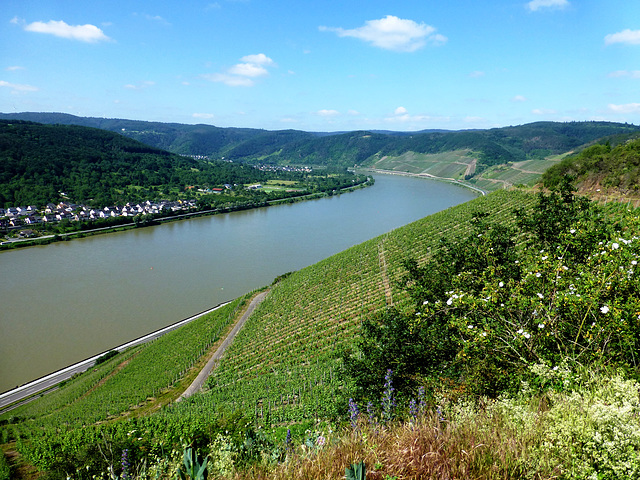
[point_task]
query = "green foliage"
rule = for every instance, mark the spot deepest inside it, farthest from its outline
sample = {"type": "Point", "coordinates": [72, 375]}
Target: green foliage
{"type": "Point", "coordinates": [617, 167]}
{"type": "Point", "coordinates": [194, 469]}
{"type": "Point", "coordinates": [5, 468]}
{"type": "Point", "coordinates": [356, 471]}
{"type": "Point", "coordinates": [557, 290]}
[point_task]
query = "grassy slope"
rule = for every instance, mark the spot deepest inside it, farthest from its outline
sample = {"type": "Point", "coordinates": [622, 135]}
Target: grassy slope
{"type": "Point", "coordinates": [289, 341]}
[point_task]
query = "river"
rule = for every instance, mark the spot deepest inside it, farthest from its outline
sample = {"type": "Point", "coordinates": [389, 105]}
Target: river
{"type": "Point", "coordinates": [67, 301]}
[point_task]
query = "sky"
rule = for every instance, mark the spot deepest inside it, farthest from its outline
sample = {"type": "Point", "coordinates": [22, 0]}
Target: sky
{"type": "Point", "coordinates": [324, 65]}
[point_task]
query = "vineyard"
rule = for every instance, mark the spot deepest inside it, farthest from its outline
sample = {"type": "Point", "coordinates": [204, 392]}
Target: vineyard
{"type": "Point", "coordinates": [284, 368]}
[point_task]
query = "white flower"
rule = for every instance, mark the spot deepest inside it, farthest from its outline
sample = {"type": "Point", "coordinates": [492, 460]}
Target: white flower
{"type": "Point", "coordinates": [527, 335]}
{"type": "Point", "coordinates": [604, 309]}
{"type": "Point", "coordinates": [544, 258]}
{"type": "Point", "coordinates": [615, 246]}
{"type": "Point", "coordinates": [520, 331]}
{"type": "Point", "coordinates": [541, 325]}
{"type": "Point", "coordinates": [573, 230]}
{"type": "Point", "coordinates": [634, 262]}
{"type": "Point", "coordinates": [425, 302]}
{"type": "Point", "coordinates": [540, 295]}
{"type": "Point", "coordinates": [484, 334]}
{"type": "Point", "coordinates": [538, 274]}
{"type": "Point", "coordinates": [470, 326]}
{"type": "Point", "coordinates": [450, 301]}
{"type": "Point", "coordinates": [501, 284]}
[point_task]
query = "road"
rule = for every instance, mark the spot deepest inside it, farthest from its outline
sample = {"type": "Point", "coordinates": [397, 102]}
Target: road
{"type": "Point", "coordinates": [21, 394]}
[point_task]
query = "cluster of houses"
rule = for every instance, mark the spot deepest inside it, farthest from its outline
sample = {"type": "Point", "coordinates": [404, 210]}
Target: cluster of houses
{"type": "Point", "coordinates": [15, 217]}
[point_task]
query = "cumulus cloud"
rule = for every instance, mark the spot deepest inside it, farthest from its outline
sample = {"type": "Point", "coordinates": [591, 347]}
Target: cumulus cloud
{"type": "Point", "coordinates": [519, 98]}
{"type": "Point", "coordinates": [242, 74]}
{"type": "Point", "coordinates": [392, 33]}
{"type": "Point", "coordinates": [85, 33]}
{"type": "Point", "coordinates": [18, 88]}
{"type": "Point", "coordinates": [625, 108]}
{"type": "Point", "coordinates": [400, 111]}
{"type": "Point", "coordinates": [630, 37]}
{"type": "Point", "coordinates": [535, 5]}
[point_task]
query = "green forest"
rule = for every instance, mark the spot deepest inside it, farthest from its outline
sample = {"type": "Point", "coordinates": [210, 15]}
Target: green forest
{"type": "Point", "coordinates": [39, 163]}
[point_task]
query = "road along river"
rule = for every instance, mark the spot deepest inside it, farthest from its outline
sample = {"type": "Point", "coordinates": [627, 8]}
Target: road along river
{"type": "Point", "coordinates": [68, 301]}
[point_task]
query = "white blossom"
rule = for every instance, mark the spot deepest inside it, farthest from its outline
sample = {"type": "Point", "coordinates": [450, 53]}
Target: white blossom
{"type": "Point", "coordinates": [604, 309]}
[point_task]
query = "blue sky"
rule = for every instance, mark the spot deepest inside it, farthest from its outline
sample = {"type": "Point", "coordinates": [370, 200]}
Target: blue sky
{"type": "Point", "coordinates": [324, 65]}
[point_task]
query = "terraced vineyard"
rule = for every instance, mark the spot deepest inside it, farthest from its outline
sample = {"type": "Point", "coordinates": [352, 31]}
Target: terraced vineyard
{"type": "Point", "coordinates": [282, 364]}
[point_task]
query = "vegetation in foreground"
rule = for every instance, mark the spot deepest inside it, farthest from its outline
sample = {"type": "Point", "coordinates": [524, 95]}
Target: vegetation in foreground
{"type": "Point", "coordinates": [505, 351]}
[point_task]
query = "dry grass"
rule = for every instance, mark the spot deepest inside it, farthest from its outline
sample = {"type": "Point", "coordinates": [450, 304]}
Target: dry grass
{"type": "Point", "coordinates": [482, 446]}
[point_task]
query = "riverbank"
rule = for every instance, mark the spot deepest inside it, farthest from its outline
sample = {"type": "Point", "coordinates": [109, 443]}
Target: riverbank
{"type": "Point", "coordinates": [62, 237]}
{"type": "Point", "coordinates": [426, 175]}
{"type": "Point", "coordinates": [29, 391]}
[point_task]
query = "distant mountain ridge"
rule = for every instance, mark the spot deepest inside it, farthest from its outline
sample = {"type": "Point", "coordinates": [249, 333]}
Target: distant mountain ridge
{"type": "Point", "coordinates": [491, 147]}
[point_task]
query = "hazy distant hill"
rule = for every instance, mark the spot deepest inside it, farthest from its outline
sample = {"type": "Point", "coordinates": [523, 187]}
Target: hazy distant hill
{"type": "Point", "coordinates": [491, 147]}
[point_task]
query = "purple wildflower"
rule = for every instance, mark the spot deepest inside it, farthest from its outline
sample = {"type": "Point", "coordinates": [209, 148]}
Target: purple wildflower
{"type": "Point", "coordinates": [124, 461]}
{"type": "Point", "coordinates": [388, 400]}
{"type": "Point", "coordinates": [353, 413]}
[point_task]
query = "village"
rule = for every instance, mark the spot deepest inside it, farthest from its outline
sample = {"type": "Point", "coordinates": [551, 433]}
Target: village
{"type": "Point", "coordinates": [20, 218]}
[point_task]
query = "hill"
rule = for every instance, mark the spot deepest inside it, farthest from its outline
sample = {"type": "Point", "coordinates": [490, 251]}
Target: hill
{"type": "Point", "coordinates": [602, 168]}
{"type": "Point", "coordinates": [482, 148]}
{"type": "Point", "coordinates": [41, 164]}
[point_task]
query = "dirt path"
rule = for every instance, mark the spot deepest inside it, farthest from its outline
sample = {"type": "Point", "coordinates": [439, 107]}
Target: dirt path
{"type": "Point", "coordinates": [204, 373]}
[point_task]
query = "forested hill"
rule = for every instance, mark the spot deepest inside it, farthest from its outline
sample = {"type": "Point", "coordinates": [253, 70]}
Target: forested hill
{"type": "Point", "coordinates": [39, 162]}
{"type": "Point", "coordinates": [491, 147]}
{"type": "Point", "coordinates": [602, 167]}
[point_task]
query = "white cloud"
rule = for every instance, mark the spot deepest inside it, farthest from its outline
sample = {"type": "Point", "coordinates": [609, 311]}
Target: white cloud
{"type": "Point", "coordinates": [630, 37]}
{"type": "Point", "coordinates": [242, 74]}
{"type": "Point", "coordinates": [519, 98]}
{"type": "Point", "coordinates": [625, 108]}
{"type": "Point", "coordinates": [14, 68]}
{"type": "Point", "coordinates": [535, 5]}
{"type": "Point", "coordinates": [353, 112]}
{"type": "Point", "coordinates": [259, 59]}
{"type": "Point", "coordinates": [204, 116]}
{"type": "Point", "coordinates": [476, 74]}
{"type": "Point", "coordinates": [392, 33]}
{"type": "Point", "coordinates": [625, 73]}
{"type": "Point", "coordinates": [248, 70]}
{"type": "Point", "coordinates": [400, 111]}
{"type": "Point", "coordinates": [328, 113]}
{"type": "Point", "coordinates": [84, 33]}
{"type": "Point", "coordinates": [18, 88]}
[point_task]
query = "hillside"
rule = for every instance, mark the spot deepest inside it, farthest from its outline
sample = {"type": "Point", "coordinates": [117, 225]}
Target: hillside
{"type": "Point", "coordinates": [41, 164]}
{"type": "Point", "coordinates": [602, 168]}
{"type": "Point", "coordinates": [483, 148]}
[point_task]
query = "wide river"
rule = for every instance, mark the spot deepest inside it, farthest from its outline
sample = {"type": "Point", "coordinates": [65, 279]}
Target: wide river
{"type": "Point", "coordinates": [67, 301]}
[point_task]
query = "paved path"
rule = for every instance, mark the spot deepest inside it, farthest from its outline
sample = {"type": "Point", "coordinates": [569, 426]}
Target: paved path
{"type": "Point", "coordinates": [206, 371]}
